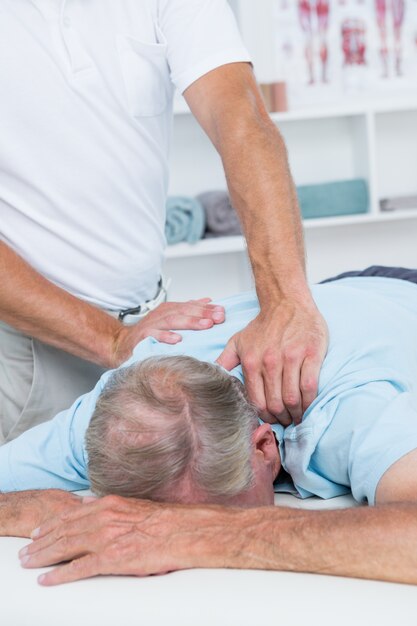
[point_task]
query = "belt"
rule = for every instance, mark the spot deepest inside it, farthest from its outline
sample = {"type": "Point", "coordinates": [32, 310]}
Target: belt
{"type": "Point", "coordinates": [134, 315]}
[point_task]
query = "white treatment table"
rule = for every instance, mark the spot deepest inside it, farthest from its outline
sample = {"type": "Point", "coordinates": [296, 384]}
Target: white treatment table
{"type": "Point", "coordinates": [203, 597]}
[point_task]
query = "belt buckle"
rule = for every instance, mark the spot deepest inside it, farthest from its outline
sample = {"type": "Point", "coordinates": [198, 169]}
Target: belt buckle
{"type": "Point", "coordinates": [142, 310]}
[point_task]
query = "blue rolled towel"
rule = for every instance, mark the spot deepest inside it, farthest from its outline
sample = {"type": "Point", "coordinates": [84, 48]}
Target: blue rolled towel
{"type": "Point", "coordinates": [347, 197]}
{"type": "Point", "coordinates": [185, 220]}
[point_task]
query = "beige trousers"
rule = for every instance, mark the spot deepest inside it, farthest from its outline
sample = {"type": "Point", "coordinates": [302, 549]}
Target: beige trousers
{"type": "Point", "coordinates": [37, 381]}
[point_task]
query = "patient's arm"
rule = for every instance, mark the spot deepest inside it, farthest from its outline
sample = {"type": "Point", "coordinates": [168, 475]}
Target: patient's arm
{"type": "Point", "coordinates": [399, 483]}
{"type": "Point", "coordinates": [120, 536]}
{"type": "Point", "coordinates": [21, 511]}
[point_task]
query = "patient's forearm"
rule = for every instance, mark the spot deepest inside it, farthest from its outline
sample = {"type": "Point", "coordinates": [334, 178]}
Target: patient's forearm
{"type": "Point", "coordinates": [376, 543]}
{"type": "Point", "coordinates": [22, 511]}
{"type": "Point", "coordinates": [126, 536]}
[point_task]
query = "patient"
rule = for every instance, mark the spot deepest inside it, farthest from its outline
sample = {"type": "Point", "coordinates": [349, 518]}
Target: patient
{"type": "Point", "coordinates": [178, 429]}
{"type": "Point", "coordinates": [175, 429]}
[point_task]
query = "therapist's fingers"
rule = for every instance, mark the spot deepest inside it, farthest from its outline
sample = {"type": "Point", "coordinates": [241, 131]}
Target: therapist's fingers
{"type": "Point", "coordinates": [173, 315]}
{"type": "Point", "coordinates": [184, 322]}
{"type": "Point", "coordinates": [202, 309]}
{"type": "Point", "coordinates": [161, 329]}
{"type": "Point", "coordinates": [255, 389]}
{"type": "Point", "coordinates": [273, 395]}
{"type": "Point", "coordinates": [291, 392]}
{"type": "Point", "coordinates": [229, 359]}
{"type": "Point", "coordinates": [198, 308]}
{"type": "Point", "coordinates": [253, 375]}
{"type": "Point", "coordinates": [164, 336]}
{"type": "Point", "coordinates": [173, 321]}
{"type": "Point", "coordinates": [309, 381]}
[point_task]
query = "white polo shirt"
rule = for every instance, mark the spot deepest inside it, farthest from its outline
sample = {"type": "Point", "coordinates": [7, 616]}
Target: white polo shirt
{"type": "Point", "coordinates": [85, 115]}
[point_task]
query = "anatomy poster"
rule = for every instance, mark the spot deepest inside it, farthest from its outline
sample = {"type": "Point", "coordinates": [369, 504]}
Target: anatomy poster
{"type": "Point", "coordinates": [329, 51]}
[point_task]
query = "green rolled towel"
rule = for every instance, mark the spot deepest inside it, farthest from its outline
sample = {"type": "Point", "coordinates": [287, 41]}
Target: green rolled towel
{"type": "Point", "coordinates": [185, 220]}
{"type": "Point", "coordinates": [347, 197]}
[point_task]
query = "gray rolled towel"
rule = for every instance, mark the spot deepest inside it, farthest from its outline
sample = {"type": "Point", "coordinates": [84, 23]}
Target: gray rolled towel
{"type": "Point", "coordinates": [398, 203]}
{"type": "Point", "coordinates": [221, 218]}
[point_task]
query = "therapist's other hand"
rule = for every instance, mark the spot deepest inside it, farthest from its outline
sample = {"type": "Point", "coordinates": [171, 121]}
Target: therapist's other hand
{"type": "Point", "coordinates": [22, 511]}
{"type": "Point", "coordinates": [160, 323]}
{"type": "Point", "coordinates": [281, 352]}
{"type": "Point", "coordinates": [123, 536]}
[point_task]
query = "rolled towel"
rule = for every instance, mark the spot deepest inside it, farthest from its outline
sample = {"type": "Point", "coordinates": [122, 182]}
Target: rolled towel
{"type": "Point", "coordinates": [221, 218]}
{"type": "Point", "coordinates": [346, 197]}
{"type": "Point", "coordinates": [185, 220]}
{"type": "Point", "coordinates": [398, 203]}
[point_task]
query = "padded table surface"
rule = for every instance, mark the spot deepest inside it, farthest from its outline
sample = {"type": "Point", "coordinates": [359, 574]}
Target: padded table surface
{"type": "Point", "coordinates": [203, 597]}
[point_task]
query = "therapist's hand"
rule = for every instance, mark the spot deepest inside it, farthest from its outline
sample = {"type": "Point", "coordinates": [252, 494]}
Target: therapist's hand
{"type": "Point", "coordinates": [281, 352]}
{"type": "Point", "coordinates": [160, 323]}
{"type": "Point", "coordinates": [21, 511]}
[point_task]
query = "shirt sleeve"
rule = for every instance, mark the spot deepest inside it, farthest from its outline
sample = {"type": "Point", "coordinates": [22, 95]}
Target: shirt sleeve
{"type": "Point", "coordinates": [386, 441]}
{"type": "Point", "coordinates": [372, 426]}
{"type": "Point", "coordinates": [201, 35]}
{"type": "Point", "coordinates": [51, 455]}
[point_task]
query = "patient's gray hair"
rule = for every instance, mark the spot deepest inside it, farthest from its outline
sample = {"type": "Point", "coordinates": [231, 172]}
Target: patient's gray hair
{"type": "Point", "coordinates": [166, 419]}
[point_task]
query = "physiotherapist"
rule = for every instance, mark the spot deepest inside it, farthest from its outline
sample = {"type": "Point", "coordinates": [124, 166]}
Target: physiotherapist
{"type": "Point", "coordinates": [86, 112]}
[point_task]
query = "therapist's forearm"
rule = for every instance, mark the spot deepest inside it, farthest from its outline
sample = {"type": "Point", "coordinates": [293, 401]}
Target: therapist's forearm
{"type": "Point", "coordinates": [40, 309]}
{"type": "Point", "coordinates": [35, 306]}
{"type": "Point", "coordinates": [263, 193]}
{"type": "Point", "coordinates": [228, 105]}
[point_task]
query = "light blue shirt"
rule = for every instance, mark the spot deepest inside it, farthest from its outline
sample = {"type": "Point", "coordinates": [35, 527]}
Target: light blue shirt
{"type": "Point", "coordinates": [363, 420]}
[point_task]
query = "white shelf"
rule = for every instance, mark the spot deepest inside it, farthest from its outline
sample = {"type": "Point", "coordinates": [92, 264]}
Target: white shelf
{"type": "Point", "coordinates": [225, 245]}
{"type": "Point", "coordinates": [317, 114]}
{"type": "Point", "coordinates": [364, 218]}
{"type": "Point", "coordinates": [348, 110]}
{"type": "Point", "coordinates": [216, 245]}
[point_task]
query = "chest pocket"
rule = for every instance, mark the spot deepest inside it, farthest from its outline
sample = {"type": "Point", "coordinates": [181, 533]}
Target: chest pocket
{"type": "Point", "coordinates": [146, 76]}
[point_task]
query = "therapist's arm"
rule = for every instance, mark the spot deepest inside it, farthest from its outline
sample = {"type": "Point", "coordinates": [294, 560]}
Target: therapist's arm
{"type": "Point", "coordinates": [119, 536]}
{"type": "Point", "coordinates": [37, 307]}
{"type": "Point", "coordinates": [21, 511]}
{"type": "Point", "coordinates": [282, 350]}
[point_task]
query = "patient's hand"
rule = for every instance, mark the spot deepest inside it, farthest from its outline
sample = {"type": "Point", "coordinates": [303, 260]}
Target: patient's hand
{"type": "Point", "coordinates": [124, 536]}
{"type": "Point", "coordinates": [169, 316]}
{"type": "Point", "coordinates": [22, 511]}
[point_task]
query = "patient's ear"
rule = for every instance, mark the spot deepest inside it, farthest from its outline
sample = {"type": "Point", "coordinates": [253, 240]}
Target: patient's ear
{"type": "Point", "coordinates": [264, 441]}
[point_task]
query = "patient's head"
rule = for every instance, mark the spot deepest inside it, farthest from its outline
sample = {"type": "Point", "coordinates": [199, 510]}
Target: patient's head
{"type": "Point", "coordinates": [175, 429]}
